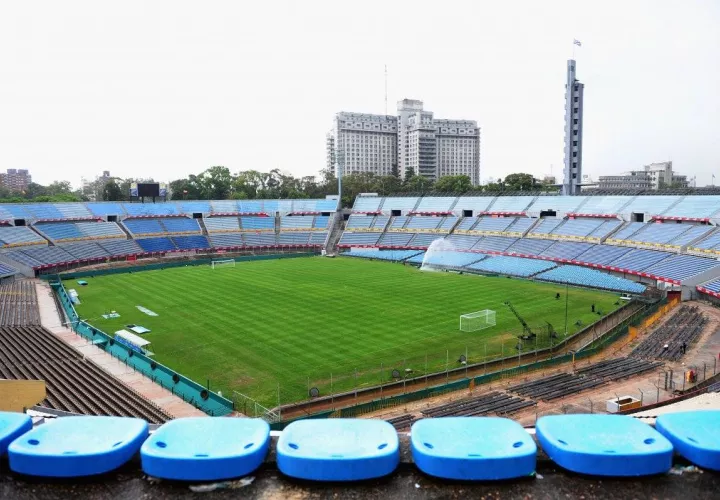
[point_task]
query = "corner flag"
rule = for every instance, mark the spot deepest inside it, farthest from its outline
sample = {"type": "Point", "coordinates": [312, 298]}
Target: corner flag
{"type": "Point", "coordinates": [577, 42]}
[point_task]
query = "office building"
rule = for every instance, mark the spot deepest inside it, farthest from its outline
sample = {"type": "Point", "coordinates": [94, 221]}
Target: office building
{"type": "Point", "coordinates": [411, 141]}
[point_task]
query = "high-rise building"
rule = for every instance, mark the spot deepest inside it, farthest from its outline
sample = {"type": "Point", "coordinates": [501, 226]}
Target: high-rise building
{"type": "Point", "coordinates": [413, 141]}
{"type": "Point", "coordinates": [15, 179]}
{"type": "Point", "coordinates": [572, 173]}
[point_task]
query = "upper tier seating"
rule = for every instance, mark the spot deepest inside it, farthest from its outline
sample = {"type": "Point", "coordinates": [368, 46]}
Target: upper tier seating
{"type": "Point", "coordinates": [695, 207]}
{"type": "Point", "coordinates": [359, 222]}
{"type": "Point", "coordinates": [257, 223]}
{"type": "Point", "coordinates": [476, 204]}
{"type": "Point", "coordinates": [566, 250]}
{"type": "Point", "coordinates": [222, 224]}
{"type": "Point", "coordinates": [512, 266]}
{"type": "Point", "coordinates": [48, 255]}
{"type": "Point", "coordinates": [11, 236]}
{"type": "Point", "coordinates": [603, 205]}
{"type": "Point", "coordinates": [602, 254]}
{"type": "Point", "coordinates": [604, 229]}
{"type": "Point", "coordinates": [710, 243]}
{"type": "Point", "coordinates": [190, 242]}
{"type": "Point", "coordinates": [511, 204]}
{"type": "Point", "coordinates": [659, 233]}
{"type": "Point", "coordinates": [361, 239]}
{"type": "Point", "coordinates": [60, 231]}
{"type": "Point", "coordinates": [252, 207]}
{"type": "Point", "coordinates": [194, 207]}
{"type": "Point", "coordinates": [578, 227]}
{"type": "Point", "coordinates": [318, 238]}
{"type": "Point", "coordinates": [462, 241]}
{"type": "Point", "coordinates": [6, 270]}
{"type": "Point", "coordinates": [626, 232]}
{"type": "Point", "coordinates": [559, 204]}
{"type": "Point", "coordinates": [318, 205]}
{"type": "Point", "coordinates": [321, 222]}
{"type": "Point", "coordinates": [424, 239]}
{"type": "Point", "coordinates": [180, 225]}
{"type": "Point", "coordinates": [141, 227]}
{"type": "Point", "coordinates": [651, 205]}
{"type": "Point", "coordinates": [260, 239]}
{"type": "Point", "coordinates": [639, 260]}
{"type": "Point", "coordinates": [421, 222]}
{"type": "Point", "coordinates": [436, 204]}
{"type": "Point", "coordinates": [85, 251]}
{"type": "Point", "coordinates": [398, 223]}
{"type": "Point", "coordinates": [224, 206]}
{"type": "Point", "coordinates": [295, 222]}
{"type": "Point", "coordinates": [466, 224]}
{"type": "Point", "coordinates": [64, 231]}
{"type": "Point", "coordinates": [73, 210]}
{"type": "Point", "coordinates": [121, 247]}
{"type": "Point", "coordinates": [156, 244]}
{"type": "Point", "coordinates": [405, 204]}
{"type": "Point", "coordinates": [495, 244]}
{"type": "Point", "coordinates": [681, 267]}
{"type": "Point", "coordinates": [395, 239]}
{"type": "Point", "coordinates": [545, 227]}
{"type": "Point", "coordinates": [691, 234]}
{"type": "Point", "coordinates": [493, 224]}
{"type": "Point", "coordinates": [367, 204]}
{"type": "Point", "coordinates": [529, 246]}
{"type": "Point", "coordinates": [520, 225]}
{"type": "Point", "coordinates": [293, 238]}
{"type": "Point", "coordinates": [448, 223]}
{"type": "Point", "coordinates": [104, 209]}
{"type": "Point", "coordinates": [150, 209]}
{"type": "Point", "coordinates": [222, 240]}
{"type": "Point", "coordinates": [43, 211]}
{"type": "Point", "coordinates": [584, 276]}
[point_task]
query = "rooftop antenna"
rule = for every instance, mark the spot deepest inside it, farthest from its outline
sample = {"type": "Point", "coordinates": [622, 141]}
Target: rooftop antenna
{"type": "Point", "coordinates": [386, 90]}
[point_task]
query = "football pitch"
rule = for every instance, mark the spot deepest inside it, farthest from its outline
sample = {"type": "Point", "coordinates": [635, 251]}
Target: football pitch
{"type": "Point", "coordinates": [274, 328]}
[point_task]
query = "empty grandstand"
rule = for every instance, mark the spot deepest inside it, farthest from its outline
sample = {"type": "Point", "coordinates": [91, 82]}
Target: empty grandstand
{"type": "Point", "coordinates": [670, 340]}
{"type": "Point", "coordinates": [492, 403]}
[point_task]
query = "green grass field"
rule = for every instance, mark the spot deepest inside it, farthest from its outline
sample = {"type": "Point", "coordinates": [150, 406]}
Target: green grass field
{"type": "Point", "coordinates": [294, 322]}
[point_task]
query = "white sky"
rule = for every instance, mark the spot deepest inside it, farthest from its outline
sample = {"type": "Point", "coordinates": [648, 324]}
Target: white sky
{"type": "Point", "coordinates": [169, 88]}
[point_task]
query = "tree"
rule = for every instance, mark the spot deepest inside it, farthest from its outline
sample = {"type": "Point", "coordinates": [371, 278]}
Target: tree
{"type": "Point", "coordinates": [387, 184]}
{"type": "Point", "coordinates": [454, 184]}
{"type": "Point", "coordinates": [112, 192]}
{"type": "Point", "coordinates": [394, 171]}
{"type": "Point", "coordinates": [418, 184]}
{"type": "Point", "coordinates": [59, 188]}
{"type": "Point", "coordinates": [409, 173]}
{"type": "Point", "coordinates": [216, 183]}
{"type": "Point", "coordinates": [520, 182]}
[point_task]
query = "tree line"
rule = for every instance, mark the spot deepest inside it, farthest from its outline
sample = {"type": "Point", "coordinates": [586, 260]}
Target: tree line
{"type": "Point", "coordinates": [219, 183]}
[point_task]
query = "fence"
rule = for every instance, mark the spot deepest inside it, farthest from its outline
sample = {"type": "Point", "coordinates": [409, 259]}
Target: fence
{"type": "Point", "coordinates": [187, 389]}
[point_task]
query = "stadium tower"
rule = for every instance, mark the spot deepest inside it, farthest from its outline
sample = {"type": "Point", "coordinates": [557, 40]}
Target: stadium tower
{"type": "Point", "coordinates": [572, 173]}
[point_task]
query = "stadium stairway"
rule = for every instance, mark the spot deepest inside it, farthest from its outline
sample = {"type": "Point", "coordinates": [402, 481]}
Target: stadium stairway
{"type": "Point", "coordinates": [337, 227]}
{"type": "Point", "coordinates": [203, 229]}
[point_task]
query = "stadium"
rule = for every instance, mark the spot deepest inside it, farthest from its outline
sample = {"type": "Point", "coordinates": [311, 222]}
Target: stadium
{"type": "Point", "coordinates": [398, 308]}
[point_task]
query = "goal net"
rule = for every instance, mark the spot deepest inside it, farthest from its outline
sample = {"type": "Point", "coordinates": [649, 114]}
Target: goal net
{"type": "Point", "coordinates": [479, 320]}
{"type": "Point", "coordinates": [222, 263]}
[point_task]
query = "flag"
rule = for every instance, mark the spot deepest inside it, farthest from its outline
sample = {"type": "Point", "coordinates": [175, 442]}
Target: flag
{"type": "Point", "coordinates": [577, 42]}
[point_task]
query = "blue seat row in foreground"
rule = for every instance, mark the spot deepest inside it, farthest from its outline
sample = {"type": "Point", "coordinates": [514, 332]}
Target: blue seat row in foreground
{"type": "Point", "coordinates": [464, 448]}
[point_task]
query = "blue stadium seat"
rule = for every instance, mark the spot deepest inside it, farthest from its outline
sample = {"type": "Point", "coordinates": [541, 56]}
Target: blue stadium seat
{"type": "Point", "coordinates": [180, 225]}
{"type": "Point", "coordinates": [258, 223]}
{"type": "Point", "coordinates": [512, 266]}
{"type": "Point", "coordinates": [405, 204]}
{"type": "Point", "coordinates": [156, 244]}
{"type": "Point", "coordinates": [19, 236]}
{"type": "Point", "coordinates": [391, 255]}
{"type": "Point", "coordinates": [694, 435]}
{"type": "Point", "coordinates": [103, 209]}
{"type": "Point", "coordinates": [452, 260]}
{"type": "Point", "coordinates": [363, 239]}
{"type": "Point", "coordinates": [192, 207]}
{"type": "Point", "coordinates": [359, 222]}
{"type": "Point", "coordinates": [77, 446]}
{"type": "Point", "coordinates": [367, 204]}
{"type": "Point", "coordinates": [493, 224]}
{"type": "Point", "coordinates": [338, 449]}
{"type": "Point", "coordinates": [206, 449]}
{"type": "Point", "coordinates": [436, 204]}
{"type": "Point", "coordinates": [604, 445]}
{"type": "Point", "coordinates": [511, 204]}
{"type": "Point", "coordinates": [144, 226]}
{"type": "Point", "coordinates": [12, 426]}
{"type": "Point", "coordinates": [529, 246]}
{"type": "Point", "coordinates": [60, 230]}
{"type": "Point", "coordinates": [494, 243]}
{"type": "Point", "coordinates": [463, 241]}
{"type": "Point", "coordinates": [150, 209]}
{"type": "Point", "coordinates": [190, 242]}
{"type": "Point", "coordinates": [472, 448]}
{"type": "Point", "coordinates": [584, 276]}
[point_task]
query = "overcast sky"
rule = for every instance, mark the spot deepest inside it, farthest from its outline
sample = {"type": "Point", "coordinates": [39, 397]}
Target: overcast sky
{"type": "Point", "coordinates": [169, 88]}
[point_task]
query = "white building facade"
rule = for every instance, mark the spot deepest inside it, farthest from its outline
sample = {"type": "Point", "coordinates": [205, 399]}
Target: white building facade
{"type": "Point", "coordinates": [411, 141]}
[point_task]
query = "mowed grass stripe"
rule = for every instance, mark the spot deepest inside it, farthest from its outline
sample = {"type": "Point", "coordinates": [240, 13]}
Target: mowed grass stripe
{"type": "Point", "coordinates": [261, 323]}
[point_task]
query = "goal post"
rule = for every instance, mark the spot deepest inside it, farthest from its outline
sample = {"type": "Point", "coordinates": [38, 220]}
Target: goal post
{"type": "Point", "coordinates": [222, 263]}
{"type": "Point", "coordinates": [478, 320]}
